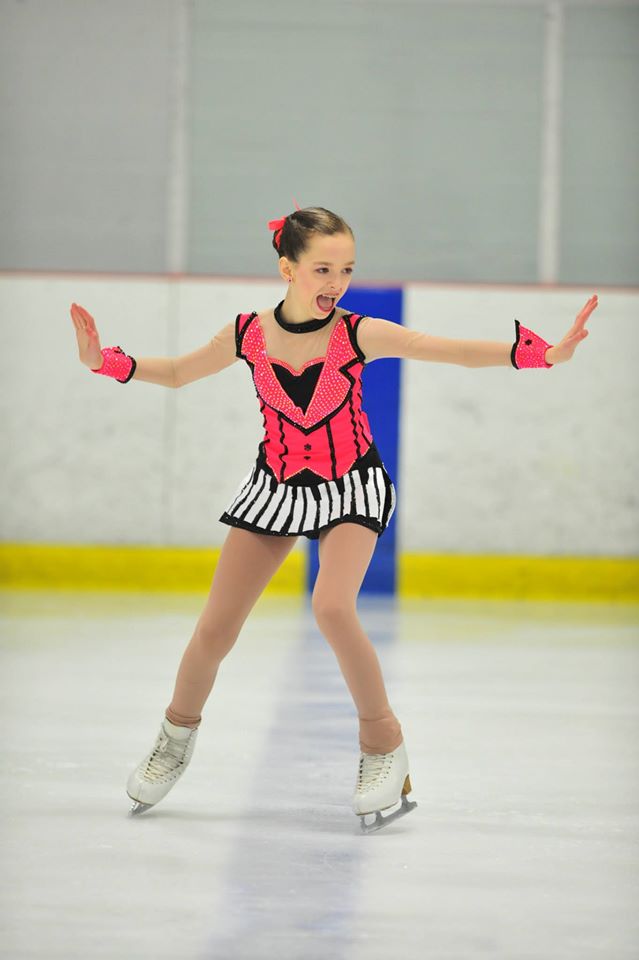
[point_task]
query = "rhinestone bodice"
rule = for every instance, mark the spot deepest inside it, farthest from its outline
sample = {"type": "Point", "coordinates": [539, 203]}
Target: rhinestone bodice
{"type": "Point", "coordinates": [312, 416]}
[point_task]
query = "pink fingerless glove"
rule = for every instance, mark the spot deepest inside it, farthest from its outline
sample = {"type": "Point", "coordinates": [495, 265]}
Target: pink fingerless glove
{"type": "Point", "coordinates": [116, 364]}
{"type": "Point", "coordinates": [528, 350]}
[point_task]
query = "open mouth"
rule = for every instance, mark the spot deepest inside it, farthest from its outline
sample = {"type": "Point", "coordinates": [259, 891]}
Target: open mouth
{"type": "Point", "coordinates": [325, 304]}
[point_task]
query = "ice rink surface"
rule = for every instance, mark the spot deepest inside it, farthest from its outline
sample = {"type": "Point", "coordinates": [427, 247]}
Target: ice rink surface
{"type": "Point", "coordinates": [520, 721]}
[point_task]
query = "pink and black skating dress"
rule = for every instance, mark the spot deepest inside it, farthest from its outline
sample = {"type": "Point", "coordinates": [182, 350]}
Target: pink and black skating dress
{"type": "Point", "coordinates": [317, 465]}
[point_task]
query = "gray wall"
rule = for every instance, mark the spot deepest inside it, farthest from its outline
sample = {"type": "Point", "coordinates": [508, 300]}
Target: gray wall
{"type": "Point", "coordinates": [600, 169]}
{"type": "Point", "coordinates": [133, 129]}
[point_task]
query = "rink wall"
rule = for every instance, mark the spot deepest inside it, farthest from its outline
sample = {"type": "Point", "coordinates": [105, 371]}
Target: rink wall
{"type": "Point", "coordinates": [520, 482]}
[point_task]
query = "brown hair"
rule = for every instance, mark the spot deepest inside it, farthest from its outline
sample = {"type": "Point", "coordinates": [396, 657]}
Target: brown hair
{"type": "Point", "coordinates": [295, 236]}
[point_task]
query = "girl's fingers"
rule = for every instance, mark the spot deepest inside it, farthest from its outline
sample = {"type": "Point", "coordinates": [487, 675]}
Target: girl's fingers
{"type": "Point", "coordinates": [571, 343]}
{"type": "Point", "coordinates": [84, 319]}
{"type": "Point", "coordinates": [589, 307]}
{"type": "Point", "coordinates": [84, 326]}
{"type": "Point", "coordinates": [591, 304]}
{"type": "Point", "coordinates": [576, 328]}
{"type": "Point", "coordinates": [76, 314]}
{"type": "Point", "coordinates": [583, 315]}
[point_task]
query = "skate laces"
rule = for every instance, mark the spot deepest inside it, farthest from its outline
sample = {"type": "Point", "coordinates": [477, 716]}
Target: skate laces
{"type": "Point", "coordinates": [166, 757]}
{"type": "Point", "coordinates": [373, 768]}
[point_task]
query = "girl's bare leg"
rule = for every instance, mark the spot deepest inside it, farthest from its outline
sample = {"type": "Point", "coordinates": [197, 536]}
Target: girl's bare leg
{"type": "Point", "coordinates": [247, 562]}
{"type": "Point", "coordinates": [345, 552]}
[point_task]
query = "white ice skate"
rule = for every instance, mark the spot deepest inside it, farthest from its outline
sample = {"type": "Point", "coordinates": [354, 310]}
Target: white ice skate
{"type": "Point", "coordinates": [163, 766]}
{"type": "Point", "coordinates": [382, 784]}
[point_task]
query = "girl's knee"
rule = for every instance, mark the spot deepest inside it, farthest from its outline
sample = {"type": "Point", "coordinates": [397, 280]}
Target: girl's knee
{"type": "Point", "coordinates": [213, 640]}
{"type": "Point", "coordinates": [330, 610]}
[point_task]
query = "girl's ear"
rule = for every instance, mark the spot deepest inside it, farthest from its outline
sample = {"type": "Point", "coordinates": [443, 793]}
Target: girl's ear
{"type": "Point", "coordinates": [285, 270]}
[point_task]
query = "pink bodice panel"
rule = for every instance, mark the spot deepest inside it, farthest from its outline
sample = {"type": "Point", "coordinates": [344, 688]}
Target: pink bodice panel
{"type": "Point", "coordinates": [334, 431]}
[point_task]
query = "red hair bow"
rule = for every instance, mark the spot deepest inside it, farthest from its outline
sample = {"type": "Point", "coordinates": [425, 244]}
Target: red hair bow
{"type": "Point", "coordinates": [279, 226]}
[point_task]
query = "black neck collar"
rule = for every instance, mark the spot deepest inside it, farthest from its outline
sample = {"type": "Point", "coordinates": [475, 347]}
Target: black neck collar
{"type": "Point", "coordinates": [307, 326]}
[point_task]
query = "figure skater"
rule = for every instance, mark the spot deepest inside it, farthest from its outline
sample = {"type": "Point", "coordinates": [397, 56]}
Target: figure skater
{"type": "Point", "coordinates": [317, 474]}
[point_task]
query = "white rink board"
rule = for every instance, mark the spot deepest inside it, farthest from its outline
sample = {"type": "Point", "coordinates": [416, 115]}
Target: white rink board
{"type": "Point", "coordinates": [541, 462]}
{"type": "Point", "coordinates": [491, 460]}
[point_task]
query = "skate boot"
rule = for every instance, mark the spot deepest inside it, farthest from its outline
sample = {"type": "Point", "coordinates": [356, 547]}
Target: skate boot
{"type": "Point", "coordinates": [382, 785]}
{"type": "Point", "coordinates": [163, 766]}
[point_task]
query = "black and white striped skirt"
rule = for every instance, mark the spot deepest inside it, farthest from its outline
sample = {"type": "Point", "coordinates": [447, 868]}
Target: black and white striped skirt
{"type": "Point", "coordinates": [364, 495]}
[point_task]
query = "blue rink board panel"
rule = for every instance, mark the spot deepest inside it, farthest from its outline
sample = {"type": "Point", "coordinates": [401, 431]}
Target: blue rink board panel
{"type": "Point", "coordinates": [381, 396]}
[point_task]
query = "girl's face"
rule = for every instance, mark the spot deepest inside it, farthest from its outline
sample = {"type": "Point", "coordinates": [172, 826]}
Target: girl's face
{"type": "Point", "coordinates": [320, 277]}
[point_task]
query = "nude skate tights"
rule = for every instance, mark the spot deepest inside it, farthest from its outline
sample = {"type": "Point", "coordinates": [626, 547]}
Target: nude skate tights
{"type": "Point", "coordinates": [247, 562]}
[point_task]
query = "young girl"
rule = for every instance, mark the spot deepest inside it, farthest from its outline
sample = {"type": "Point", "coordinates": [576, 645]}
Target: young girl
{"type": "Point", "coordinates": [317, 474]}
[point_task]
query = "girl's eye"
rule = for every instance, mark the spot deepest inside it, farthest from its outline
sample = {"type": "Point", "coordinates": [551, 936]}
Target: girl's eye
{"type": "Point", "coordinates": [321, 269]}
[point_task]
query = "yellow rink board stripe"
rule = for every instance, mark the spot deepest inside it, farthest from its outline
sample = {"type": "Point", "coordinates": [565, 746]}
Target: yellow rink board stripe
{"type": "Point", "coordinates": [157, 569]}
{"type": "Point", "coordinates": [512, 577]}
{"type": "Point", "coordinates": [190, 569]}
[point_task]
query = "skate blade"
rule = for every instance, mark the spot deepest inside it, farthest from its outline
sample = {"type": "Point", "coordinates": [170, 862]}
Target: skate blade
{"type": "Point", "coordinates": [139, 807]}
{"type": "Point", "coordinates": [383, 821]}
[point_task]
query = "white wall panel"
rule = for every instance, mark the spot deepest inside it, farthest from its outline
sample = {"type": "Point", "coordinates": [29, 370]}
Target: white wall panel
{"type": "Point", "coordinates": [491, 460]}
{"type": "Point", "coordinates": [537, 461]}
{"type": "Point", "coordinates": [85, 454]}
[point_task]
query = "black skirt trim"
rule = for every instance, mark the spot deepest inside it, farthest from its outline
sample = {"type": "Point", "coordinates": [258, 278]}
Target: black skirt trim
{"type": "Point", "coordinates": [312, 535]}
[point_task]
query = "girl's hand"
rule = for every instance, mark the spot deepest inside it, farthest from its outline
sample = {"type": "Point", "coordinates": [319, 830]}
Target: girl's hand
{"type": "Point", "coordinates": [565, 348]}
{"type": "Point", "coordinates": [87, 335]}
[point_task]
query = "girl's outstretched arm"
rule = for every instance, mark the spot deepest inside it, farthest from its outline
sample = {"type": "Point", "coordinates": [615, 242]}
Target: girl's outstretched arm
{"type": "Point", "coordinates": [172, 372]}
{"type": "Point", "coordinates": [380, 338]}
{"type": "Point", "coordinates": [214, 356]}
